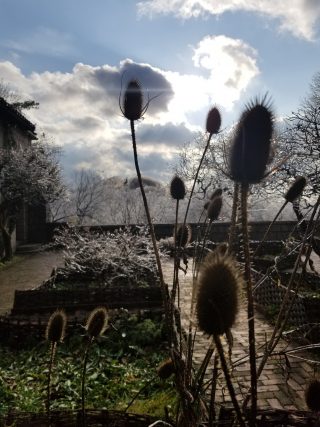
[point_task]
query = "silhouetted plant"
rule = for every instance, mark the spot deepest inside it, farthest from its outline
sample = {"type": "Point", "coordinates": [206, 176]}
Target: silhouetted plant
{"type": "Point", "coordinates": [95, 327]}
{"type": "Point", "coordinates": [55, 333]}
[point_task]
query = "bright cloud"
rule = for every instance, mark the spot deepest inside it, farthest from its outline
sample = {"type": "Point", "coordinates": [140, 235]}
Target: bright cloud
{"type": "Point", "coordinates": [231, 64]}
{"type": "Point", "coordinates": [80, 109]}
{"type": "Point", "coordinates": [300, 17]}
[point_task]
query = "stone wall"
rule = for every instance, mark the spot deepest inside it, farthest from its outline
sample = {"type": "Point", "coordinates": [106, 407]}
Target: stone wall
{"type": "Point", "coordinates": [219, 232]}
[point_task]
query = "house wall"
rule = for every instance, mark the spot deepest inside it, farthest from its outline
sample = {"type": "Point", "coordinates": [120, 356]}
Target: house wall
{"type": "Point", "coordinates": [2, 133]}
{"type": "Point", "coordinates": [22, 140]}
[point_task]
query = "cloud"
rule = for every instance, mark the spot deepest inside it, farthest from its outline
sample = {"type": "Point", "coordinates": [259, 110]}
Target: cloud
{"type": "Point", "coordinates": [168, 134]}
{"type": "Point", "coordinates": [299, 17]}
{"type": "Point", "coordinates": [231, 64]}
{"type": "Point", "coordinates": [80, 108]}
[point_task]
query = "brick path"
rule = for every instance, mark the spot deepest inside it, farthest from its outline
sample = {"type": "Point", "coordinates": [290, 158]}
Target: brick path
{"type": "Point", "coordinates": [26, 273]}
{"type": "Point", "coordinates": [277, 387]}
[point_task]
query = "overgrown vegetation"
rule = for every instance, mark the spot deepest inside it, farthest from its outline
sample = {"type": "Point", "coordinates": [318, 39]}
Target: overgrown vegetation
{"type": "Point", "coordinates": [124, 257]}
{"type": "Point", "coordinates": [121, 363]}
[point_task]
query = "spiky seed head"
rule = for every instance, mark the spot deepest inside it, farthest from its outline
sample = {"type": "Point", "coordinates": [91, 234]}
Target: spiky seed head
{"type": "Point", "coordinates": [97, 322]}
{"type": "Point", "coordinates": [213, 122]}
{"type": "Point", "coordinates": [56, 326]}
{"type": "Point", "coordinates": [312, 395]}
{"type": "Point", "coordinates": [217, 192]}
{"type": "Point", "coordinates": [214, 208]}
{"type": "Point", "coordinates": [177, 188]}
{"type": "Point", "coordinates": [133, 101]}
{"type": "Point", "coordinates": [166, 369]}
{"type": "Point", "coordinates": [217, 300]}
{"type": "Point", "coordinates": [296, 189]}
{"type": "Point", "coordinates": [250, 148]}
{"type": "Point", "coordinates": [183, 235]}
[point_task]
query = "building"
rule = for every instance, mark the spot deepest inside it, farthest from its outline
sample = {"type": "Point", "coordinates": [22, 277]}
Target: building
{"type": "Point", "coordinates": [17, 130]}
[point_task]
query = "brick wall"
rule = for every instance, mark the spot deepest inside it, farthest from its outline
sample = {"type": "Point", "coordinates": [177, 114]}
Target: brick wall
{"type": "Point", "coordinates": [219, 232]}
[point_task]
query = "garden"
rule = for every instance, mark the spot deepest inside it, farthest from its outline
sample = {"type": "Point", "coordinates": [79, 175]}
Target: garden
{"type": "Point", "coordinates": [120, 341]}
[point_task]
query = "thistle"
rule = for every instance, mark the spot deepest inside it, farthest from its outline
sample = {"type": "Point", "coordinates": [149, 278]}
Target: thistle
{"type": "Point", "coordinates": [166, 369]}
{"type": "Point", "coordinates": [213, 122]}
{"type": "Point", "coordinates": [217, 300]}
{"type": "Point", "coordinates": [56, 327]}
{"type": "Point", "coordinates": [216, 193]}
{"type": "Point", "coordinates": [312, 395]}
{"type": "Point", "coordinates": [295, 189]}
{"type": "Point", "coordinates": [250, 149]}
{"type": "Point", "coordinates": [183, 235]}
{"type": "Point", "coordinates": [97, 322]}
{"type": "Point", "coordinates": [214, 208]}
{"type": "Point", "coordinates": [177, 188]}
{"type": "Point", "coordinates": [95, 326]}
{"type": "Point", "coordinates": [55, 332]}
{"type": "Point", "coordinates": [217, 305]}
{"type": "Point", "coordinates": [132, 107]}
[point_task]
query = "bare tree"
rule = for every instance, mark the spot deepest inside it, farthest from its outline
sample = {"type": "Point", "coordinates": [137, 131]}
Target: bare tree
{"type": "Point", "coordinates": [15, 99]}
{"type": "Point", "coordinates": [28, 175]}
{"type": "Point", "coordinates": [303, 135]}
{"type": "Point", "coordinates": [83, 201]}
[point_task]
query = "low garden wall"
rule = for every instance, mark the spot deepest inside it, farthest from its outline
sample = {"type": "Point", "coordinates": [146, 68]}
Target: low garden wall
{"type": "Point", "coordinates": [219, 231]}
{"type": "Point", "coordinates": [37, 301]}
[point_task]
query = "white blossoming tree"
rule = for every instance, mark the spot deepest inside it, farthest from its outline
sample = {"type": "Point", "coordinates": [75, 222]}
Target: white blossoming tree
{"type": "Point", "coordinates": [28, 175]}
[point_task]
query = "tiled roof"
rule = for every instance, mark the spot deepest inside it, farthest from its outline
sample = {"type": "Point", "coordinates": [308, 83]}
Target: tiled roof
{"type": "Point", "coordinates": [13, 116]}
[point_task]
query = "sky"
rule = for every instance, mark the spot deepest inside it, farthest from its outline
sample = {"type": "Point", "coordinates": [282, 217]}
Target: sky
{"type": "Point", "coordinates": [74, 56]}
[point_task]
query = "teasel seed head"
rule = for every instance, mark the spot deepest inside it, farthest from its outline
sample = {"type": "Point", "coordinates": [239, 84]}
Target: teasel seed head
{"type": "Point", "coordinates": [97, 322]}
{"type": "Point", "coordinates": [183, 235]}
{"type": "Point", "coordinates": [214, 208]}
{"type": "Point", "coordinates": [296, 189]}
{"type": "Point", "coordinates": [56, 326]}
{"type": "Point", "coordinates": [217, 192]}
{"type": "Point", "coordinates": [177, 188]}
{"type": "Point", "coordinates": [250, 148]}
{"type": "Point", "coordinates": [133, 101]}
{"type": "Point", "coordinates": [213, 122]}
{"type": "Point", "coordinates": [217, 299]}
{"type": "Point", "coordinates": [166, 369]}
{"type": "Point", "coordinates": [312, 395]}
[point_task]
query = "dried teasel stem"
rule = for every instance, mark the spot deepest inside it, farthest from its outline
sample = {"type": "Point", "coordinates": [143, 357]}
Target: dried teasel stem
{"type": "Point", "coordinates": [95, 326]}
{"type": "Point", "coordinates": [55, 332]}
{"type": "Point", "coordinates": [286, 305]}
{"type": "Point", "coordinates": [212, 412]}
{"type": "Point", "coordinates": [164, 287]}
{"type": "Point", "coordinates": [213, 124]}
{"type": "Point", "coordinates": [227, 377]}
{"type": "Point", "coordinates": [250, 307]}
{"type": "Point", "coordinates": [269, 227]}
{"type": "Point", "coordinates": [312, 395]}
{"type": "Point", "coordinates": [291, 195]}
{"type": "Point", "coordinates": [84, 370]}
{"type": "Point", "coordinates": [232, 229]}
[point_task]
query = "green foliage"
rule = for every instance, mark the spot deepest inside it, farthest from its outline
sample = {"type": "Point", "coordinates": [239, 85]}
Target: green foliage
{"type": "Point", "coordinates": [155, 404]}
{"type": "Point", "coordinates": [120, 364]}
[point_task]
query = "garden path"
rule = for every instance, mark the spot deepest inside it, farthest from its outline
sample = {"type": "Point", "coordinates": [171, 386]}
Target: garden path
{"type": "Point", "coordinates": [26, 273]}
{"type": "Point", "coordinates": [280, 386]}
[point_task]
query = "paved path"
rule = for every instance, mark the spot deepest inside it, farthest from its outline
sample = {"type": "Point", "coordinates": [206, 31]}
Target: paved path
{"type": "Point", "coordinates": [278, 387]}
{"type": "Point", "coordinates": [26, 273]}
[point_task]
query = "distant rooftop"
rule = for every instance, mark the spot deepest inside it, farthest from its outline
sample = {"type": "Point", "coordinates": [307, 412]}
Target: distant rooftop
{"type": "Point", "coordinates": [13, 116]}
